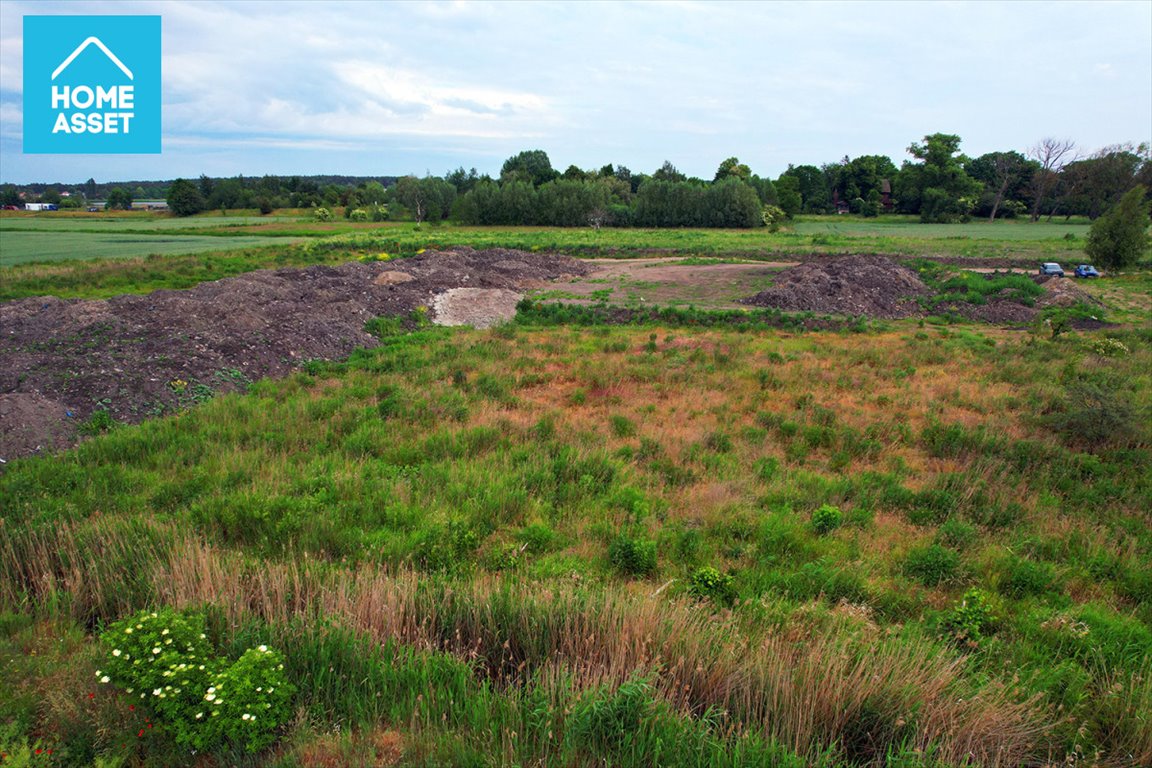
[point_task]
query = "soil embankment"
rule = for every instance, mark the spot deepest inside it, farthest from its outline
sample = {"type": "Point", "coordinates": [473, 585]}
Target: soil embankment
{"type": "Point", "coordinates": [137, 356]}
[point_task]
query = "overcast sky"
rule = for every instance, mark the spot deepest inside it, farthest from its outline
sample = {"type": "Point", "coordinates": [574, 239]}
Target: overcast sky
{"type": "Point", "coordinates": [396, 88]}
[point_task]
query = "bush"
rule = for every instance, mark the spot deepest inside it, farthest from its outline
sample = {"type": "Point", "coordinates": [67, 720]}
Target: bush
{"type": "Point", "coordinates": [358, 214]}
{"type": "Point", "coordinates": [1119, 238]}
{"type": "Point", "coordinates": [1094, 415]}
{"type": "Point", "coordinates": [932, 565]}
{"type": "Point", "coordinates": [971, 618]}
{"type": "Point", "coordinates": [1026, 578]}
{"type": "Point", "coordinates": [956, 533]}
{"type": "Point", "coordinates": [164, 659]}
{"type": "Point", "coordinates": [633, 556]}
{"type": "Point", "coordinates": [322, 214]}
{"type": "Point", "coordinates": [708, 583]}
{"type": "Point", "coordinates": [826, 519]}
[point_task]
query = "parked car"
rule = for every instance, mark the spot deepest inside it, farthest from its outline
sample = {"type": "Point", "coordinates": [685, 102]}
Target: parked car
{"type": "Point", "coordinates": [1051, 268]}
{"type": "Point", "coordinates": [1086, 270]}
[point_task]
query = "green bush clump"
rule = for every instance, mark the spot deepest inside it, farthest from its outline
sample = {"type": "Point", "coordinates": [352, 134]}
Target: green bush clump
{"type": "Point", "coordinates": [971, 619]}
{"type": "Point", "coordinates": [622, 426]}
{"type": "Point", "coordinates": [826, 519]}
{"type": "Point", "coordinates": [956, 533]}
{"type": "Point", "coordinates": [164, 659]}
{"type": "Point", "coordinates": [447, 548]}
{"type": "Point", "coordinates": [1026, 578]}
{"type": "Point", "coordinates": [932, 565]}
{"type": "Point", "coordinates": [633, 556]}
{"type": "Point", "coordinates": [708, 583]}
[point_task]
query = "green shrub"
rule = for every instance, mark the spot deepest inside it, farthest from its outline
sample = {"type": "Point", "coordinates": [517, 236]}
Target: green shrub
{"type": "Point", "coordinates": [622, 426]}
{"type": "Point", "coordinates": [1093, 414]}
{"type": "Point", "coordinates": [322, 214]}
{"type": "Point", "coordinates": [1119, 238]}
{"type": "Point", "coordinates": [971, 619]}
{"type": "Point", "coordinates": [358, 214]}
{"type": "Point", "coordinates": [447, 548]}
{"type": "Point", "coordinates": [98, 423]}
{"type": "Point", "coordinates": [956, 533]}
{"type": "Point", "coordinates": [826, 519]}
{"type": "Point", "coordinates": [1026, 578]}
{"type": "Point", "coordinates": [932, 565]}
{"type": "Point", "coordinates": [633, 556]}
{"type": "Point", "coordinates": [164, 659]}
{"type": "Point", "coordinates": [708, 583]}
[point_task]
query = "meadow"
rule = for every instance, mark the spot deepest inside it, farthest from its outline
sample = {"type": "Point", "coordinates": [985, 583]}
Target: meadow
{"type": "Point", "coordinates": [87, 236]}
{"type": "Point", "coordinates": [676, 539]}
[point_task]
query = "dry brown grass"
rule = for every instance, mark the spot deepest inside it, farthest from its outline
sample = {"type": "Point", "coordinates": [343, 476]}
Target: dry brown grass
{"type": "Point", "coordinates": [803, 692]}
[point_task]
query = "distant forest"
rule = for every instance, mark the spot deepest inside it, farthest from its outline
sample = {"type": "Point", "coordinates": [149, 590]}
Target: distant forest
{"type": "Point", "coordinates": [937, 183]}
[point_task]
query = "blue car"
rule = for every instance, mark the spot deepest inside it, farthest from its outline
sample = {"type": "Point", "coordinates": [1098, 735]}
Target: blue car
{"type": "Point", "coordinates": [1086, 270]}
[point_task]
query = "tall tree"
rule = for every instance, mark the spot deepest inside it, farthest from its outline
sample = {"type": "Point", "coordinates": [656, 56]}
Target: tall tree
{"type": "Point", "coordinates": [184, 198]}
{"type": "Point", "coordinates": [1120, 237]}
{"type": "Point", "coordinates": [732, 168]}
{"type": "Point", "coordinates": [937, 186]}
{"type": "Point", "coordinates": [532, 166]}
{"type": "Point", "coordinates": [1052, 154]}
{"type": "Point", "coordinates": [1005, 176]}
{"type": "Point", "coordinates": [668, 172]}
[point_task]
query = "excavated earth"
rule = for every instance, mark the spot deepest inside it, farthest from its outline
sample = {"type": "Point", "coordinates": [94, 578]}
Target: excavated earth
{"type": "Point", "coordinates": [874, 286]}
{"type": "Point", "coordinates": [137, 356]}
{"type": "Point", "coordinates": [877, 286]}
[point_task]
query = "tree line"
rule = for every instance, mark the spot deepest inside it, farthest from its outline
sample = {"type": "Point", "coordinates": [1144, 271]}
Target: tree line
{"type": "Point", "coordinates": [937, 183]}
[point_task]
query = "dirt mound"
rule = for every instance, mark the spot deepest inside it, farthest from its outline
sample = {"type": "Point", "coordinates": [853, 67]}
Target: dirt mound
{"type": "Point", "coordinates": [138, 356]}
{"type": "Point", "coordinates": [1062, 292]}
{"type": "Point", "coordinates": [875, 286]}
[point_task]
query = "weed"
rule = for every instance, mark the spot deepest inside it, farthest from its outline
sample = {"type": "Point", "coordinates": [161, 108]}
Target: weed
{"type": "Point", "coordinates": [826, 519]}
{"type": "Point", "coordinates": [932, 565]}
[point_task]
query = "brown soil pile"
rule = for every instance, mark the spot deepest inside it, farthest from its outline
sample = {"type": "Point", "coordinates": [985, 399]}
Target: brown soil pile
{"type": "Point", "coordinates": [873, 286]}
{"type": "Point", "coordinates": [141, 355]}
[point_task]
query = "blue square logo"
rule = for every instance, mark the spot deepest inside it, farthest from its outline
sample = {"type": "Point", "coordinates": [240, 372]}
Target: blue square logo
{"type": "Point", "coordinates": [91, 84]}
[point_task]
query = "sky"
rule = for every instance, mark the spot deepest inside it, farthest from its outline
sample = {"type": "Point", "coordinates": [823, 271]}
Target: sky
{"type": "Point", "coordinates": [388, 89]}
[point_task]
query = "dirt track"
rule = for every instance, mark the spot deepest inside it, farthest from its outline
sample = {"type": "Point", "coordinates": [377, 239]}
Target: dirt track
{"type": "Point", "coordinates": [137, 356]}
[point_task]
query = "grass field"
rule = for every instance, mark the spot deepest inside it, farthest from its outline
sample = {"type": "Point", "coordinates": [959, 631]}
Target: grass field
{"type": "Point", "coordinates": [86, 238]}
{"type": "Point", "coordinates": [48, 247]}
{"type": "Point", "coordinates": [698, 542]}
{"type": "Point", "coordinates": [629, 546]}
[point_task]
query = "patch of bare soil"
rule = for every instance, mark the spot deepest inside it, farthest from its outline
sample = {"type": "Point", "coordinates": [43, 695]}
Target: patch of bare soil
{"type": "Point", "coordinates": [873, 286]}
{"type": "Point", "coordinates": [477, 307]}
{"type": "Point", "coordinates": [137, 356]}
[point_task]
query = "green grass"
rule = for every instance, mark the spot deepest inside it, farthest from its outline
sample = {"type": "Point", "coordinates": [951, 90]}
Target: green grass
{"type": "Point", "coordinates": [24, 247]}
{"type": "Point", "coordinates": [463, 535]}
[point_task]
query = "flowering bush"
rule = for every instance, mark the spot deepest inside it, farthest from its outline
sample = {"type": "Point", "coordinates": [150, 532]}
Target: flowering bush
{"type": "Point", "coordinates": [322, 214]}
{"type": "Point", "coordinates": [164, 659]}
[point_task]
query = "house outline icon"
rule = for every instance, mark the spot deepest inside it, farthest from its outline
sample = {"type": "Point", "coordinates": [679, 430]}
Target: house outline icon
{"type": "Point", "coordinates": [82, 47]}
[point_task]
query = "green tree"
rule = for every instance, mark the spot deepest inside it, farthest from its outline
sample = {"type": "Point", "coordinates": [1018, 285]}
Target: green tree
{"type": "Point", "coordinates": [532, 166]}
{"type": "Point", "coordinates": [1120, 237]}
{"type": "Point", "coordinates": [118, 199]}
{"type": "Point", "coordinates": [668, 172]}
{"type": "Point", "coordinates": [1006, 176]}
{"type": "Point", "coordinates": [937, 187]}
{"type": "Point", "coordinates": [732, 168]}
{"type": "Point", "coordinates": [184, 198]}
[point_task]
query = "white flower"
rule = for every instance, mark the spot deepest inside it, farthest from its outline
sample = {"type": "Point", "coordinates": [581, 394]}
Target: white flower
{"type": "Point", "coordinates": [210, 689]}
{"type": "Point", "coordinates": [156, 650]}
{"type": "Point", "coordinates": [115, 651]}
{"type": "Point", "coordinates": [203, 636]}
{"type": "Point", "coordinates": [98, 673]}
{"type": "Point", "coordinates": [128, 631]}
{"type": "Point", "coordinates": [209, 697]}
{"type": "Point", "coordinates": [199, 715]}
{"type": "Point", "coordinates": [158, 691]}
{"type": "Point", "coordinates": [263, 649]}
{"type": "Point", "coordinates": [244, 716]}
{"type": "Point", "coordinates": [164, 632]}
{"type": "Point", "coordinates": [105, 679]}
